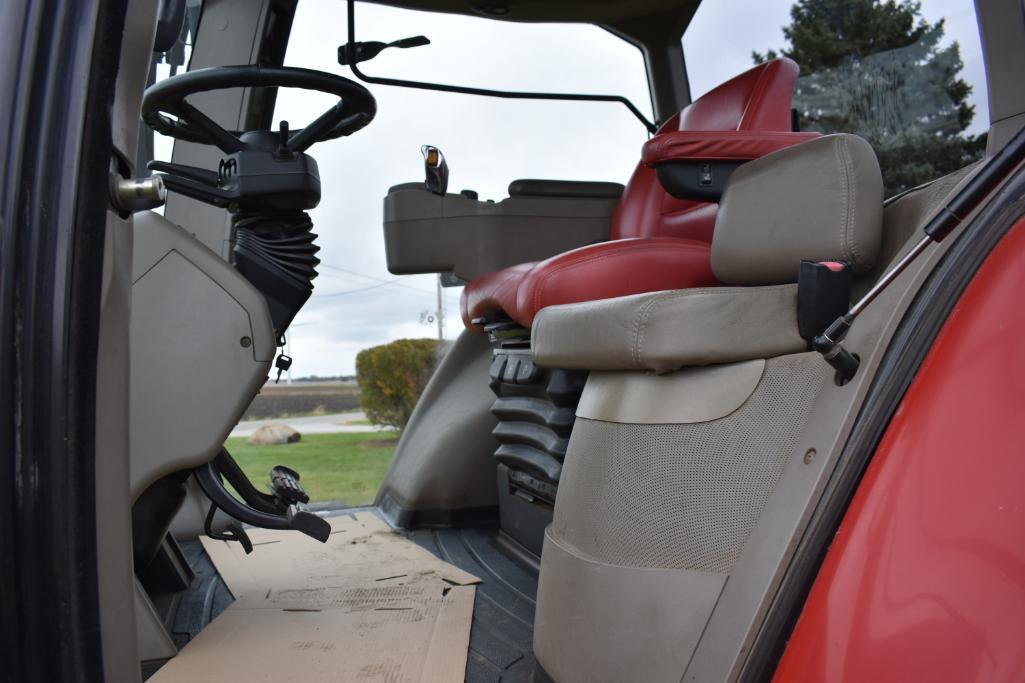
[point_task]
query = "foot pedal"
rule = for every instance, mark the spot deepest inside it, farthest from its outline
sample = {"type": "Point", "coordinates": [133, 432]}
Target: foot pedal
{"type": "Point", "coordinates": [284, 484]}
{"type": "Point", "coordinates": [282, 510]}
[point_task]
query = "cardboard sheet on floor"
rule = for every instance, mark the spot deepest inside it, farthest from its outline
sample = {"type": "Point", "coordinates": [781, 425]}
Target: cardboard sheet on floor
{"type": "Point", "coordinates": [361, 547]}
{"type": "Point", "coordinates": [368, 605]}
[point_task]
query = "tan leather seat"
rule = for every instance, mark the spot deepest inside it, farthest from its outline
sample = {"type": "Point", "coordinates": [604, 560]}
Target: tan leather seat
{"type": "Point", "coordinates": [693, 407]}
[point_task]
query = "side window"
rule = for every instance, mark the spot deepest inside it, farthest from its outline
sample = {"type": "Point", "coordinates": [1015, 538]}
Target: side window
{"type": "Point", "coordinates": [908, 77]}
{"type": "Point", "coordinates": [163, 65]}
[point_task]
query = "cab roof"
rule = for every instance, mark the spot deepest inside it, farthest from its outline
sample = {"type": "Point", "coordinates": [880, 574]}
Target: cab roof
{"type": "Point", "coordinates": [602, 12]}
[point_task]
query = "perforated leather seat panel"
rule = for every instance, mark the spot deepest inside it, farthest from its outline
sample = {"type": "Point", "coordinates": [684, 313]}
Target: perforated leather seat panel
{"type": "Point", "coordinates": [683, 496]}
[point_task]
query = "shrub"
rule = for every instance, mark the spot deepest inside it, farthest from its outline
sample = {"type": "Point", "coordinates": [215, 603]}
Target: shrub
{"type": "Point", "coordinates": [392, 376]}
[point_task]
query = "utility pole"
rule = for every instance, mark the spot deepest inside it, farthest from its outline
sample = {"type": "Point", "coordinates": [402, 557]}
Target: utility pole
{"type": "Point", "coordinates": [441, 311]}
{"type": "Point", "coordinates": [288, 352]}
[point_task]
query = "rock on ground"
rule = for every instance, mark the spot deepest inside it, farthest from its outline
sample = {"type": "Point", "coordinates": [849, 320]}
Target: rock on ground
{"type": "Point", "coordinates": [273, 435]}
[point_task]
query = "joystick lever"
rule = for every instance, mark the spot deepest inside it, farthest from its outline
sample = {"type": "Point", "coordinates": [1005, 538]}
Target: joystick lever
{"type": "Point", "coordinates": [435, 169]}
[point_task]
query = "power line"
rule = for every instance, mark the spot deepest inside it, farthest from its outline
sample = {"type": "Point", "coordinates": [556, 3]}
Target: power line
{"type": "Point", "coordinates": [377, 279]}
{"type": "Point", "coordinates": [380, 283]}
{"type": "Point", "coordinates": [354, 291]}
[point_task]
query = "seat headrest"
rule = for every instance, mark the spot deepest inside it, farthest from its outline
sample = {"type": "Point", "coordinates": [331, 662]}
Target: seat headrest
{"type": "Point", "coordinates": [758, 99]}
{"type": "Point", "coordinates": [821, 200]}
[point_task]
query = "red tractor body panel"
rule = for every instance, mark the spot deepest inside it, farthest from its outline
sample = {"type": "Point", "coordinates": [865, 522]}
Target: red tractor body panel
{"type": "Point", "coordinates": [925, 580]}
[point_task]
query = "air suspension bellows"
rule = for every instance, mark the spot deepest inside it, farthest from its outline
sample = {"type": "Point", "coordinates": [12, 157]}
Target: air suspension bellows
{"type": "Point", "coordinates": [277, 254]}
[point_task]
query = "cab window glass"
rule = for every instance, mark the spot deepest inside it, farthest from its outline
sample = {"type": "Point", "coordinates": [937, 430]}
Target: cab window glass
{"type": "Point", "coordinates": [164, 65]}
{"type": "Point", "coordinates": [906, 76]}
{"type": "Point", "coordinates": [487, 142]}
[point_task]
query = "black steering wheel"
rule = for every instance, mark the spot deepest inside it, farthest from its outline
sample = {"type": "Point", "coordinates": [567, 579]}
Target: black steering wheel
{"type": "Point", "coordinates": [355, 108]}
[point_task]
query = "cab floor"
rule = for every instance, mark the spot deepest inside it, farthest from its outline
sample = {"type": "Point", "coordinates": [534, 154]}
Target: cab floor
{"type": "Point", "coordinates": [502, 630]}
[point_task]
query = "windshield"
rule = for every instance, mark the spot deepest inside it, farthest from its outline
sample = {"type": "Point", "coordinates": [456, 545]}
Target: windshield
{"type": "Point", "coordinates": [487, 143]}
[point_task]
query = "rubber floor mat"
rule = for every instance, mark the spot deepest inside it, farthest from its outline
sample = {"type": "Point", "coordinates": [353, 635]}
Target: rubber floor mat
{"type": "Point", "coordinates": [501, 635]}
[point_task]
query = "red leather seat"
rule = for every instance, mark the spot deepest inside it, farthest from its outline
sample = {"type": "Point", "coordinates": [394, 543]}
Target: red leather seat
{"type": "Point", "coordinates": [656, 242]}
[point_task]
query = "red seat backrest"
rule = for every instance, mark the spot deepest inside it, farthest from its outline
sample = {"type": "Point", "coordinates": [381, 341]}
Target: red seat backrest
{"type": "Point", "coordinates": [758, 99]}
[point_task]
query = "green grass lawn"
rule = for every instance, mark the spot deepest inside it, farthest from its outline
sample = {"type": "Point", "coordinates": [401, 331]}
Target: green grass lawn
{"type": "Point", "coordinates": [334, 467]}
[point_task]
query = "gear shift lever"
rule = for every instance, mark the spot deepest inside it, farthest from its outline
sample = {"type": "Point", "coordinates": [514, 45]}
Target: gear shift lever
{"type": "Point", "coordinates": [435, 169]}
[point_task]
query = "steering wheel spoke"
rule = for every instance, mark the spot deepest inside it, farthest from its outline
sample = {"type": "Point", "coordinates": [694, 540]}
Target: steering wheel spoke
{"type": "Point", "coordinates": [355, 108]}
{"type": "Point", "coordinates": [301, 141]}
{"type": "Point", "coordinates": [222, 139]}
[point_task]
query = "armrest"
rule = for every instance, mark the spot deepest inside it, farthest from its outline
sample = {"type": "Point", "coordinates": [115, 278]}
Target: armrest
{"type": "Point", "coordinates": [564, 188]}
{"type": "Point", "coordinates": [429, 233]}
{"type": "Point", "coordinates": [721, 145]}
{"type": "Point", "coordinates": [695, 165]}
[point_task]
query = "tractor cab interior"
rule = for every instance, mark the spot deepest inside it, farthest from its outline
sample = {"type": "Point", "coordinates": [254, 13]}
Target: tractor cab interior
{"type": "Point", "coordinates": [651, 403]}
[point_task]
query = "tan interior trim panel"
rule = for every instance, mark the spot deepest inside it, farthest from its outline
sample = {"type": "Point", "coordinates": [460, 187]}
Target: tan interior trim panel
{"type": "Point", "coordinates": [687, 396]}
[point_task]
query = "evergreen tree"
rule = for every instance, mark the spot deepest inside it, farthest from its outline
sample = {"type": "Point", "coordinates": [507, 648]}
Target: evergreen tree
{"type": "Point", "coordinates": [876, 69]}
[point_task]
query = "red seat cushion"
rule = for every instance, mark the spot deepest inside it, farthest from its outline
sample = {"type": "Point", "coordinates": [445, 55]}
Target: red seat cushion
{"type": "Point", "coordinates": [646, 210]}
{"type": "Point", "coordinates": [493, 294]}
{"type": "Point", "coordinates": [597, 271]}
{"type": "Point", "coordinates": [657, 241]}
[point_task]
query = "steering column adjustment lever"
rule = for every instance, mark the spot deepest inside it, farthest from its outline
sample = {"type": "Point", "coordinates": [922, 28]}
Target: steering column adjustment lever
{"type": "Point", "coordinates": [249, 181]}
{"type": "Point", "coordinates": [293, 517]}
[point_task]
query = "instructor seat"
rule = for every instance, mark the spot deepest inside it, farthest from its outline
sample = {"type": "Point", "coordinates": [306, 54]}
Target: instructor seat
{"type": "Point", "coordinates": [694, 404]}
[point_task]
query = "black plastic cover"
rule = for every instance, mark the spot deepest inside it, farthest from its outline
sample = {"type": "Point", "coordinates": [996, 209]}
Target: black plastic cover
{"type": "Point", "coordinates": [823, 295]}
{"type": "Point", "coordinates": [696, 180]}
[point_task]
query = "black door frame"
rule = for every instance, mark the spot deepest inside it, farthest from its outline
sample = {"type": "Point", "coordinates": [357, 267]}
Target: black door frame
{"type": "Point", "coordinates": [57, 74]}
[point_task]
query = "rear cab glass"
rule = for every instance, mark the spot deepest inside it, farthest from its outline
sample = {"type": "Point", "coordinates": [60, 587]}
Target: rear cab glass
{"type": "Point", "coordinates": [907, 77]}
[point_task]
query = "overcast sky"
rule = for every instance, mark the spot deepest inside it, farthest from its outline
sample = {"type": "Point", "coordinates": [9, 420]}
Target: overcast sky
{"type": "Point", "coordinates": [489, 142]}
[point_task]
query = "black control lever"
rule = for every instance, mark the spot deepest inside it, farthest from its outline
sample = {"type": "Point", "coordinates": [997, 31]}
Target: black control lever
{"type": "Point", "coordinates": [284, 486]}
{"type": "Point", "coordinates": [229, 469]}
{"type": "Point", "coordinates": [284, 483]}
{"type": "Point", "coordinates": [209, 479]}
{"type": "Point", "coordinates": [351, 53]}
{"type": "Point", "coordinates": [269, 177]}
{"type": "Point", "coordinates": [435, 170]}
{"type": "Point", "coordinates": [197, 183]}
{"type": "Point", "coordinates": [233, 532]}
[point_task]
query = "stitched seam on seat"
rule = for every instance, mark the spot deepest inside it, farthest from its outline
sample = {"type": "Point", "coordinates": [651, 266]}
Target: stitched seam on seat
{"type": "Point", "coordinates": [695, 291]}
{"type": "Point", "coordinates": [756, 94]}
{"type": "Point", "coordinates": [641, 321]}
{"type": "Point", "coordinates": [543, 280]}
{"type": "Point", "coordinates": [634, 351]}
{"type": "Point", "coordinates": [851, 239]}
{"type": "Point", "coordinates": [844, 198]}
